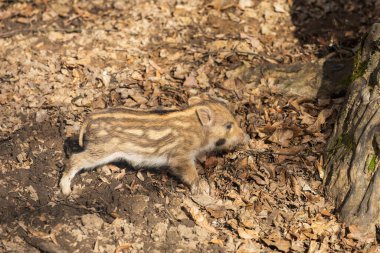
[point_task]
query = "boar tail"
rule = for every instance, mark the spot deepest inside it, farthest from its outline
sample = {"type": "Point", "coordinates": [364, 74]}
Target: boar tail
{"type": "Point", "coordinates": [82, 132]}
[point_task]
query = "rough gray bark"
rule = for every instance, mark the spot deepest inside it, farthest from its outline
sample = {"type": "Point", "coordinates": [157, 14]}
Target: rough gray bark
{"type": "Point", "coordinates": [352, 178]}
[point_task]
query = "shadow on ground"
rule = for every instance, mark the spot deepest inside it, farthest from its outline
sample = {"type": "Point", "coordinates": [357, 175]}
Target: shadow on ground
{"type": "Point", "coordinates": [31, 196]}
{"type": "Point", "coordinates": [336, 27]}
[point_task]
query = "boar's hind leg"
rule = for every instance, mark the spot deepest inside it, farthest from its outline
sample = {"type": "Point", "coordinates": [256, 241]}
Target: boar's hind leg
{"type": "Point", "coordinates": [77, 162]}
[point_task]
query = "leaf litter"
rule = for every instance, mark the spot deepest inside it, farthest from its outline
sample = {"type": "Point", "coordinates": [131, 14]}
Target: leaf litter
{"type": "Point", "coordinates": [61, 61]}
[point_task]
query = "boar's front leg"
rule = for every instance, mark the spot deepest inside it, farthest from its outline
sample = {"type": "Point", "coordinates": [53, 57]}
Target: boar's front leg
{"type": "Point", "coordinates": [185, 170]}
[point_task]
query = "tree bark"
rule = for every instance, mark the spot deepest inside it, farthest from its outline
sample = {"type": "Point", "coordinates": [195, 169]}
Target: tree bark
{"type": "Point", "coordinates": [352, 178]}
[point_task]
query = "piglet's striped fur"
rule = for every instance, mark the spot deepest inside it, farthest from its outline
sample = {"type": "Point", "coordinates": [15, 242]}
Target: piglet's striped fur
{"type": "Point", "coordinates": [155, 139]}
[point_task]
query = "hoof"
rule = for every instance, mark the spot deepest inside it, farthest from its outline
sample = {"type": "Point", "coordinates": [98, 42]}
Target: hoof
{"type": "Point", "coordinates": [65, 186]}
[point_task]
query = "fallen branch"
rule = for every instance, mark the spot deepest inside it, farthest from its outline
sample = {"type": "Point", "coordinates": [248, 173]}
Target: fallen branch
{"type": "Point", "coordinates": [66, 30]}
{"type": "Point", "coordinates": [41, 244]}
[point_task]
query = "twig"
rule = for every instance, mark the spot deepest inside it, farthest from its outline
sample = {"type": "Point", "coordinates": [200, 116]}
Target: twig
{"type": "Point", "coordinates": [123, 247]}
{"type": "Point", "coordinates": [40, 244]}
{"type": "Point", "coordinates": [254, 152]}
{"type": "Point", "coordinates": [67, 30]}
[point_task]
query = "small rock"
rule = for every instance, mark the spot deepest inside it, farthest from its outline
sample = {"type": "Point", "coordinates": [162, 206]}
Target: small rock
{"type": "Point", "coordinates": [82, 102]}
{"type": "Point", "coordinates": [179, 72]}
{"type": "Point", "coordinates": [21, 157]}
{"type": "Point", "coordinates": [164, 53]}
{"type": "Point", "coordinates": [229, 84]}
{"type": "Point", "coordinates": [33, 193]}
{"type": "Point", "coordinates": [178, 214]}
{"type": "Point", "coordinates": [137, 76]}
{"type": "Point", "coordinates": [127, 229]}
{"type": "Point", "coordinates": [203, 234]}
{"type": "Point", "coordinates": [130, 102]}
{"type": "Point", "coordinates": [266, 30]}
{"type": "Point", "coordinates": [245, 3]}
{"type": "Point", "coordinates": [203, 80]}
{"type": "Point", "coordinates": [99, 103]}
{"type": "Point", "coordinates": [279, 7]}
{"type": "Point", "coordinates": [65, 72]}
{"type": "Point", "coordinates": [106, 78]}
{"type": "Point", "coordinates": [55, 36]}
{"type": "Point", "coordinates": [140, 203]}
{"type": "Point", "coordinates": [120, 5]}
{"type": "Point", "coordinates": [159, 231]}
{"type": "Point", "coordinates": [92, 221]}
{"type": "Point", "coordinates": [41, 116]}
{"type": "Point", "coordinates": [185, 232]}
{"type": "Point", "coordinates": [62, 9]}
{"type": "Point", "coordinates": [139, 98]}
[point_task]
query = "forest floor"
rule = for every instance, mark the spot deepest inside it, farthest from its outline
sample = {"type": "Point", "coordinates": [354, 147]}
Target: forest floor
{"type": "Point", "coordinates": [61, 60]}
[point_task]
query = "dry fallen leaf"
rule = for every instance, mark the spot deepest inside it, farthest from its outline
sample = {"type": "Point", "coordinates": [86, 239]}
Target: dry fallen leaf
{"type": "Point", "coordinates": [282, 137]}
{"type": "Point", "coordinates": [89, 58]}
{"type": "Point", "coordinates": [123, 247]}
{"type": "Point", "coordinates": [307, 119]}
{"type": "Point", "coordinates": [276, 241]}
{"type": "Point", "coordinates": [356, 233]}
{"type": "Point", "coordinates": [296, 186]}
{"type": "Point", "coordinates": [217, 241]}
{"type": "Point", "coordinates": [191, 81]}
{"type": "Point", "coordinates": [140, 176]}
{"type": "Point", "coordinates": [321, 119]}
{"type": "Point", "coordinates": [229, 84]}
{"type": "Point", "coordinates": [120, 175]}
{"type": "Point", "coordinates": [248, 233]}
{"type": "Point", "coordinates": [216, 211]}
{"type": "Point", "coordinates": [197, 215]}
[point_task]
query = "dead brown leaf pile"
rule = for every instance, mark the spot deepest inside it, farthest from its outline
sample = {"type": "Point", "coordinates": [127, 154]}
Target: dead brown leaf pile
{"type": "Point", "coordinates": [63, 59]}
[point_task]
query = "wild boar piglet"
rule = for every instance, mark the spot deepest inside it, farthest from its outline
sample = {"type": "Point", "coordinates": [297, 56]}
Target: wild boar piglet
{"type": "Point", "coordinates": [155, 139]}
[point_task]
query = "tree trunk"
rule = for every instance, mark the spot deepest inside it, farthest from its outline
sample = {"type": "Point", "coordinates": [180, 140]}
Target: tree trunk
{"type": "Point", "coordinates": [352, 178]}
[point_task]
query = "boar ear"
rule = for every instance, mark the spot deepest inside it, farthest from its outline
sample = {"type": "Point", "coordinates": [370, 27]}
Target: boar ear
{"type": "Point", "coordinates": [194, 100]}
{"type": "Point", "coordinates": [205, 116]}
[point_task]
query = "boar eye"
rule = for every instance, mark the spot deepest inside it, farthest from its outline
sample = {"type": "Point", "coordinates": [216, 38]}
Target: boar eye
{"type": "Point", "coordinates": [229, 126]}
